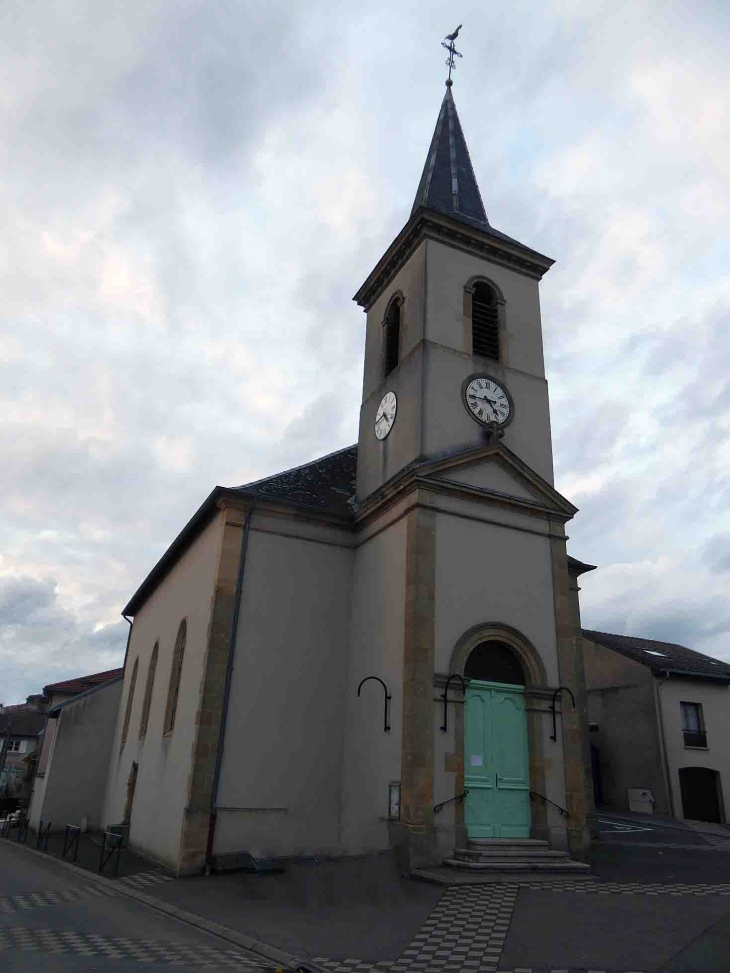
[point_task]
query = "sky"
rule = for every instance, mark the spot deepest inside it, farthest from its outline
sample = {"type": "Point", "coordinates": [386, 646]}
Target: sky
{"type": "Point", "coordinates": [193, 191]}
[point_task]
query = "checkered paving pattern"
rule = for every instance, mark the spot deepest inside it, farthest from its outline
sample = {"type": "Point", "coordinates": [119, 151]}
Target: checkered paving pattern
{"type": "Point", "coordinates": [628, 888]}
{"type": "Point", "coordinates": [143, 880]}
{"type": "Point", "coordinates": [713, 846]}
{"type": "Point", "coordinates": [114, 947]}
{"type": "Point", "coordinates": [467, 929]}
{"type": "Point", "coordinates": [383, 967]}
{"type": "Point", "coordinates": [34, 900]}
{"type": "Point", "coordinates": [465, 932]}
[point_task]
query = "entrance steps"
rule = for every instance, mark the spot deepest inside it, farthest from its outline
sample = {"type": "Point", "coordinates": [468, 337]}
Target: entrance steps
{"type": "Point", "coordinates": [514, 855]}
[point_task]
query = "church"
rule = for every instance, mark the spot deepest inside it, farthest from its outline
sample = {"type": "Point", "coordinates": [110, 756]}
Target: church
{"type": "Point", "coordinates": [379, 650]}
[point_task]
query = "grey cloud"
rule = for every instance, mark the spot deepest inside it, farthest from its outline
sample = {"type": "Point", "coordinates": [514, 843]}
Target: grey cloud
{"type": "Point", "coordinates": [45, 642]}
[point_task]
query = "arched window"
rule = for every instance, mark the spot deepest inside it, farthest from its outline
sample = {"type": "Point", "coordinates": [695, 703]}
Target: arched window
{"type": "Point", "coordinates": [176, 672]}
{"type": "Point", "coordinates": [391, 338]}
{"type": "Point", "coordinates": [130, 699]}
{"type": "Point", "coordinates": [494, 661]}
{"type": "Point", "coordinates": [485, 321]}
{"type": "Point", "coordinates": [147, 702]}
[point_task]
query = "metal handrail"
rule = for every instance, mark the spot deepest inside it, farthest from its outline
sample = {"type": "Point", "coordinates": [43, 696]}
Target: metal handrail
{"type": "Point", "coordinates": [459, 797]}
{"type": "Point", "coordinates": [546, 800]}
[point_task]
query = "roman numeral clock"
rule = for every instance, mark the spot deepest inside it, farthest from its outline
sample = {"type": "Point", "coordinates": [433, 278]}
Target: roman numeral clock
{"type": "Point", "coordinates": [488, 401]}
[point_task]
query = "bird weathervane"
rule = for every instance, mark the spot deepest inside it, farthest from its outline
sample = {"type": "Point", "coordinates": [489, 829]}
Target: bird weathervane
{"type": "Point", "coordinates": [451, 48]}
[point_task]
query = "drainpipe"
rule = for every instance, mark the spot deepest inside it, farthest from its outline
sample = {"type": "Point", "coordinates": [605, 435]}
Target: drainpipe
{"type": "Point", "coordinates": [662, 745]}
{"type": "Point", "coordinates": [226, 696]}
{"type": "Point", "coordinates": [129, 638]}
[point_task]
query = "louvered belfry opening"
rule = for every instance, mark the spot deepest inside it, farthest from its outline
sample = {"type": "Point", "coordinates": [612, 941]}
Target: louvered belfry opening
{"type": "Point", "coordinates": [392, 337]}
{"type": "Point", "coordinates": [485, 321]}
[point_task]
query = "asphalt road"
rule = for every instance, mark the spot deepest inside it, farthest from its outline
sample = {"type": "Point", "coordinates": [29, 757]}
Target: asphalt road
{"type": "Point", "coordinates": [53, 920]}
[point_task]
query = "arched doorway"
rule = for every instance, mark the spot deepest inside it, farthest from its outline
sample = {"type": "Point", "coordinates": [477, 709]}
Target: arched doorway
{"type": "Point", "coordinates": [701, 794]}
{"type": "Point", "coordinates": [496, 759]}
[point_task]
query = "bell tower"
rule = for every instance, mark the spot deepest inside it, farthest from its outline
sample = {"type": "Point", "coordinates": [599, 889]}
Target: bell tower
{"type": "Point", "coordinates": [452, 301]}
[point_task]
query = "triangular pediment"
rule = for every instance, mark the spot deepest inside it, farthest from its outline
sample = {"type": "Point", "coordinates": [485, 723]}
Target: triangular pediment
{"type": "Point", "coordinates": [495, 471]}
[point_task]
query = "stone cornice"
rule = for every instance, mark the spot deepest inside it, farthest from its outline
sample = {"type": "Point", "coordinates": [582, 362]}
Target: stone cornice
{"type": "Point", "coordinates": [427, 224]}
{"type": "Point", "coordinates": [420, 475]}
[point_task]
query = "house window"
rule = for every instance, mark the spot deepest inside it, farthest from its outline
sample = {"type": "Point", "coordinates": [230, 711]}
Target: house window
{"type": "Point", "coordinates": [14, 746]}
{"type": "Point", "coordinates": [148, 692]}
{"type": "Point", "coordinates": [693, 725]}
{"type": "Point", "coordinates": [175, 674]}
{"type": "Point", "coordinates": [130, 700]}
{"type": "Point", "coordinates": [485, 321]}
{"type": "Point", "coordinates": [391, 338]}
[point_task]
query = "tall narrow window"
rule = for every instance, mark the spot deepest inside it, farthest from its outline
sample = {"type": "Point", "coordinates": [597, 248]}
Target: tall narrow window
{"type": "Point", "coordinates": [147, 702]}
{"type": "Point", "coordinates": [693, 725]}
{"type": "Point", "coordinates": [392, 338]}
{"type": "Point", "coordinates": [130, 700]}
{"type": "Point", "coordinates": [174, 690]}
{"type": "Point", "coordinates": [485, 321]}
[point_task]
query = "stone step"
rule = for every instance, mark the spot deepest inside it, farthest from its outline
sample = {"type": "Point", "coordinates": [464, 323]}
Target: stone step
{"type": "Point", "coordinates": [510, 852]}
{"type": "Point", "coordinates": [507, 842]}
{"type": "Point", "coordinates": [567, 866]}
{"type": "Point", "coordinates": [454, 877]}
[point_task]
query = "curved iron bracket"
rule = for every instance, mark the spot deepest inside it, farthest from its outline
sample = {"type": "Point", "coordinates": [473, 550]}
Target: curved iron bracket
{"type": "Point", "coordinates": [386, 724]}
{"type": "Point", "coordinates": [445, 695]}
{"type": "Point", "coordinates": [557, 692]}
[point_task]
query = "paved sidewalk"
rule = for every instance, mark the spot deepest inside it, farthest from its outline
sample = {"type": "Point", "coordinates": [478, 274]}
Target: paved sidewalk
{"type": "Point", "coordinates": [659, 900]}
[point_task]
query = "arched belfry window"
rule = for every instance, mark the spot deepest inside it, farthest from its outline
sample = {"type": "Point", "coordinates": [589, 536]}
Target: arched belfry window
{"type": "Point", "coordinates": [485, 320]}
{"type": "Point", "coordinates": [130, 700]}
{"type": "Point", "coordinates": [147, 702]}
{"type": "Point", "coordinates": [391, 337]}
{"type": "Point", "coordinates": [175, 674]}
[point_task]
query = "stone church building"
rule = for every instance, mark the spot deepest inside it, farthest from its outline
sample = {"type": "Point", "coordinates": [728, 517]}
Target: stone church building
{"type": "Point", "coordinates": [285, 688]}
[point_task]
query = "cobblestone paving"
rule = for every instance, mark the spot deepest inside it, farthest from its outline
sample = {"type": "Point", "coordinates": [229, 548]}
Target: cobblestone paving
{"type": "Point", "coordinates": [143, 880]}
{"type": "Point", "coordinates": [33, 900]}
{"type": "Point", "coordinates": [467, 929]}
{"type": "Point", "coordinates": [117, 947]}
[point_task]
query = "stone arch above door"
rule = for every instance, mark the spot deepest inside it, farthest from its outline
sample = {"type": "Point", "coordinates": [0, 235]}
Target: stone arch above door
{"type": "Point", "coordinates": [523, 649]}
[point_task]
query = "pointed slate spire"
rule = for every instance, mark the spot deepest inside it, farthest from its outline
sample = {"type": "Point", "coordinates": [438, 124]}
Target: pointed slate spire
{"type": "Point", "coordinates": [448, 184]}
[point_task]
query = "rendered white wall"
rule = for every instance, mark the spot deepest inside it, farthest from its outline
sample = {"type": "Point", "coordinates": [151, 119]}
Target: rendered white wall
{"type": "Point", "coordinates": [165, 762]}
{"type": "Point", "coordinates": [372, 758]}
{"type": "Point", "coordinates": [715, 701]}
{"type": "Point", "coordinates": [282, 765]}
{"type": "Point", "coordinates": [76, 776]}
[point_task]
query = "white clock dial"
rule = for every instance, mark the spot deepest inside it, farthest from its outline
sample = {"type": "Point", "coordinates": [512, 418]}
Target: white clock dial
{"type": "Point", "coordinates": [385, 416]}
{"type": "Point", "coordinates": [488, 401]}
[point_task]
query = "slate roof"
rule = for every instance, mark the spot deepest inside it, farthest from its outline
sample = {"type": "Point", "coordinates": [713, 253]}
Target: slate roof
{"type": "Point", "coordinates": [81, 683]}
{"type": "Point", "coordinates": [22, 724]}
{"type": "Point", "coordinates": [448, 184]}
{"type": "Point", "coordinates": [327, 483]}
{"type": "Point", "coordinates": [662, 656]}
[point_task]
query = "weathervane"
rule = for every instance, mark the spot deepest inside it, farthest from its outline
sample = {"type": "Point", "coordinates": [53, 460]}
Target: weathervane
{"type": "Point", "coordinates": [451, 48]}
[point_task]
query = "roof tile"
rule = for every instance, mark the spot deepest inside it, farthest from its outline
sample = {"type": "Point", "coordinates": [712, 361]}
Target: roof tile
{"type": "Point", "coordinates": [662, 656]}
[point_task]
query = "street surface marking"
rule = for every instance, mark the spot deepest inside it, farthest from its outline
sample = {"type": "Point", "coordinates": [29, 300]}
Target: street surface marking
{"type": "Point", "coordinates": [116, 947]}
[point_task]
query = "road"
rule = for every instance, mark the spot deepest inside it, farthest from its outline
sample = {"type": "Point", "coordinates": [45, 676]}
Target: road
{"type": "Point", "coordinates": [55, 920]}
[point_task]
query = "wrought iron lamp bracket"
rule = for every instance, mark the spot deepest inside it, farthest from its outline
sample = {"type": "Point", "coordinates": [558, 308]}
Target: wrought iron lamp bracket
{"type": "Point", "coordinates": [388, 697]}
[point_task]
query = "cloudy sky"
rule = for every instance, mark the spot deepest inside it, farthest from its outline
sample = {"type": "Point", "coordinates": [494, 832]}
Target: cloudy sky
{"type": "Point", "coordinates": [192, 192]}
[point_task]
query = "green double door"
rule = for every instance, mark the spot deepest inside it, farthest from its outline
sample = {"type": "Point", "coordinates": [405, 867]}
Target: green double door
{"type": "Point", "coordinates": [496, 763]}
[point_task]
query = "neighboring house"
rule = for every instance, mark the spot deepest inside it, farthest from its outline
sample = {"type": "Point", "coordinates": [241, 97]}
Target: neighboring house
{"type": "Point", "coordinates": [53, 695]}
{"type": "Point", "coordinates": [77, 764]}
{"type": "Point", "coordinates": [20, 729]}
{"type": "Point", "coordinates": [660, 722]}
{"type": "Point", "coordinates": [289, 653]}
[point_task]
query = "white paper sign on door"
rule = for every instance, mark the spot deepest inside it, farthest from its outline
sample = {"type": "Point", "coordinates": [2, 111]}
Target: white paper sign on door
{"type": "Point", "coordinates": [477, 760]}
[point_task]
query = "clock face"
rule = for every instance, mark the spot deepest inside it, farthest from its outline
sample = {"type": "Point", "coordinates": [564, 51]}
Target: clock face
{"type": "Point", "coordinates": [385, 416]}
{"type": "Point", "coordinates": [488, 401]}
